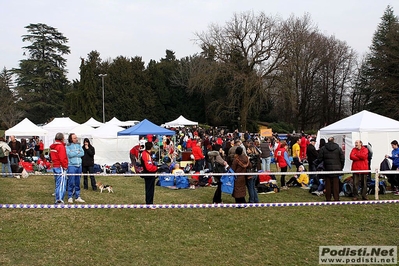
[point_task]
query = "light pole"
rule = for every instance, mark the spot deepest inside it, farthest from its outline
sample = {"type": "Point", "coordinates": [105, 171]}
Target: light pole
{"type": "Point", "coordinates": [102, 79]}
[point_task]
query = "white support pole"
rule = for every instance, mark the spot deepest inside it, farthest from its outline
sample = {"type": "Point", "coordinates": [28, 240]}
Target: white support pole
{"type": "Point", "coordinates": [377, 187]}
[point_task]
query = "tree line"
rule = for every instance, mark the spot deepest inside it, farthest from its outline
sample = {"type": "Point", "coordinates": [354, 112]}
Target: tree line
{"type": "Point", "coordinates": [253, 68]}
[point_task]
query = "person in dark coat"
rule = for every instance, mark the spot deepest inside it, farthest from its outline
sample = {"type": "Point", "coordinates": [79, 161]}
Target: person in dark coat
{"type": "Point", "coordinates": [15, 146]}
{"type": "Point", "coordinates": [312, 154]}
{"type": "Point", "coordinates": [88, 164]}
{"type": "Point", "coordinates": [218, 166]}
{"type": "Point", "coordinates": [333, 159]}
{"type": "Point", "coordinates": [240, 165]}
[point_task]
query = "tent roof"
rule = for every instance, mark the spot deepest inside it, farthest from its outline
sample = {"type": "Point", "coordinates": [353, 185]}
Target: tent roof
{"type": "Point", "coordinates": [180, 121]}
{"type": "Point", "coordinates": [106, 131]}
{"type": "Point", "coordinates": [61, 123]}
{"type": "Point", "coordinates": [81, 130]}
{"type": "Point", "coordinates": [26, 128]}
{"type": "Point", "coordinates": [92, 122]}
{"type": "Point", "coordinates": [363, 121]}
{"type": "Point", "coordinates": [146, 127]}
{"type": "Point", "coordinates": [117, 122]}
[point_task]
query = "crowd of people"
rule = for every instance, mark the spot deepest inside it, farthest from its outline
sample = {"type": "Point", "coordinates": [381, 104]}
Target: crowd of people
{"type": "Point", "coordinates": [212, 150]}
{"type": "Point", "coordinates": [249, 153]}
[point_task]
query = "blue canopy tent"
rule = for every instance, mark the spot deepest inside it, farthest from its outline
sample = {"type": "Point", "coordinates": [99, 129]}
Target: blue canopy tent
{"type": "Point", "coordinates": [146, 127]}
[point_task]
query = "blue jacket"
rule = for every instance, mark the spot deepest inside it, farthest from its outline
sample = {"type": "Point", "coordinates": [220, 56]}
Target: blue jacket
{"type": "Point", "coordinates": [75, 153]}
{"type": "Point", "coordinates": [395, 157]}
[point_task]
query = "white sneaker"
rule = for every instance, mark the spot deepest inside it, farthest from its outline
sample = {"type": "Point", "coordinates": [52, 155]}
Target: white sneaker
{"type": "Point", "coordinates": [79, 200]}
{"type": "Point", "coordinates": [70, 200]}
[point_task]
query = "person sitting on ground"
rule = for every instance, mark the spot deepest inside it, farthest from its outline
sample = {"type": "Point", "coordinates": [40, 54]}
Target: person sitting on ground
{"type": "Point", "coordinates": [178, 171]}
{"type": "Point", "coordinates": [43, 164]}
{"type": "Point", "coordinates": [301, 181]}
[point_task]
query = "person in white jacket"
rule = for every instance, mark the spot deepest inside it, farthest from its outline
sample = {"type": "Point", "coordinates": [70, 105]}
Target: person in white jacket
{"type": "Point", "coordinates": [5, 160]}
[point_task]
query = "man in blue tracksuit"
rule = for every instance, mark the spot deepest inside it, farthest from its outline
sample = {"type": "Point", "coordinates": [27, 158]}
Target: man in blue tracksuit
{"type": "Point", "coordinates": [395, 165]}
{"type": "Point", "coordinates": [75, 153]}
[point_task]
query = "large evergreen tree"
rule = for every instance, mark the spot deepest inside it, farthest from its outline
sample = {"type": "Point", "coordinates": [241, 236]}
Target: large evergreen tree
{"type": "Point", "coordinates": [41, 78]}
{"type": "Point", "coordinates": [9, 112]}
{"type": "Point", "coordinates": [382, 70]}
{"type": "Point", "coordinates": [84, 99]}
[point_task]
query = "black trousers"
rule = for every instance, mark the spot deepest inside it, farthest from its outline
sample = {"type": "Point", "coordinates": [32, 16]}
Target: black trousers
{"type": "Point", "coordinates": [294, 181]}
{"type": "Point", "coordinates": [240, 200]}
{"type": "Point", "coordinates": [149, 189]}
{"type": "Point", "coordinates": [90, 170]}
{"type": "Point", "coordinates": [393, 179]}
{"type": "Point", "coordinates": [297, 163]}
{"type": "Point", "coordinates": [217, 197]}
{"type": "Point", "coordinates": [282, 179]}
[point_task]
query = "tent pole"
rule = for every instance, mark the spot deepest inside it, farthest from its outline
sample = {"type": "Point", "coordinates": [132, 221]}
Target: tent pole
{"type": "Point", "coordinates": [377, 187]}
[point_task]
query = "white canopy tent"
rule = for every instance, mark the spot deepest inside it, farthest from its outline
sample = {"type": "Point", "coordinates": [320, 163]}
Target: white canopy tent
{"type": "Point", "coordinates": [93, 122]}
{"type": "Point", "coordinates": [111, 148]}
{"type": "Point", "coordinates": [368, 127]}
{"type": "Point", "coordinates": [26, 128]}
{"type": "Point", "coordinates": [59, 124]}
{"type": "Point", "coordinates": [115, 121]}
{"type": "Point", "coordinates": [181, 121]}
{"type": "Point", "coordinates": [82, 131]}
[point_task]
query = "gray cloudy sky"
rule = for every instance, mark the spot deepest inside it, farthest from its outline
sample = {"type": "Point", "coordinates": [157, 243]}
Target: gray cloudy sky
{"type": "Point", "coordinates": [147, 28]}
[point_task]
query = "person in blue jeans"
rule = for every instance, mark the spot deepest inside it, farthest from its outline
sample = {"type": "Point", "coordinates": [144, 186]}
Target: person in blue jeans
{"type": "Point", "coordinates": [75, 153]}
{"type": "Point", "coordinates": [266, 155]}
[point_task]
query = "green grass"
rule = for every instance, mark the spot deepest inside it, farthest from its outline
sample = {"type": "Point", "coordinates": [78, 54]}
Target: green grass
{"type": "Point", "coordinates": [220, 236]}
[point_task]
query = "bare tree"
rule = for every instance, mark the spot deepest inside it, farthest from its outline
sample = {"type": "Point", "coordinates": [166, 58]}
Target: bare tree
{"type": "Point", "coordinates": [246, 53]}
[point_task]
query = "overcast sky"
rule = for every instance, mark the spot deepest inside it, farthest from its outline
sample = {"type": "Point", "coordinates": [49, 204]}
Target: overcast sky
{"type": "Point", "coordinates": [147, 28]}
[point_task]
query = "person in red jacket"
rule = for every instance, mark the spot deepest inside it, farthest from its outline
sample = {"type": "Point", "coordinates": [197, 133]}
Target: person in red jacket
{"type": "Point", "coordinates": [148, 167]}
{"type": "Point", "coordinates": [359, 157]}
{"type": "Point", "coordinates": [198, 156]}
{"type": "Point", "coordinates": [60, 164]}
{"type": "Point", "coordinates": [41, 147]}
{"type": "Point", "coordinates": [282, 161]}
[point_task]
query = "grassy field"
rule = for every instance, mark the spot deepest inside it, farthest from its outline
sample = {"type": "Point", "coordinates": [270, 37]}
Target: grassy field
{"type": "Point", "coordinates": [212, 236]}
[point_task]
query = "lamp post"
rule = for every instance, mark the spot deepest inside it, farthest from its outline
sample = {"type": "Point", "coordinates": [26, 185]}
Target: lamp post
{"type": "Point", "coordinates": [102, 79]}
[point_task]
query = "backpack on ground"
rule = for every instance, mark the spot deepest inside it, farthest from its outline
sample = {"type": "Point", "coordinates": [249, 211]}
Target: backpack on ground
{"type": "Point", "coordinates": [165, 180]}
{"type": "Point", "coordinates": [371, 187]}
{"type": "Point", "coordinates": [347, 187]}
{"type": "Point", "coordinates": [124, 167]}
